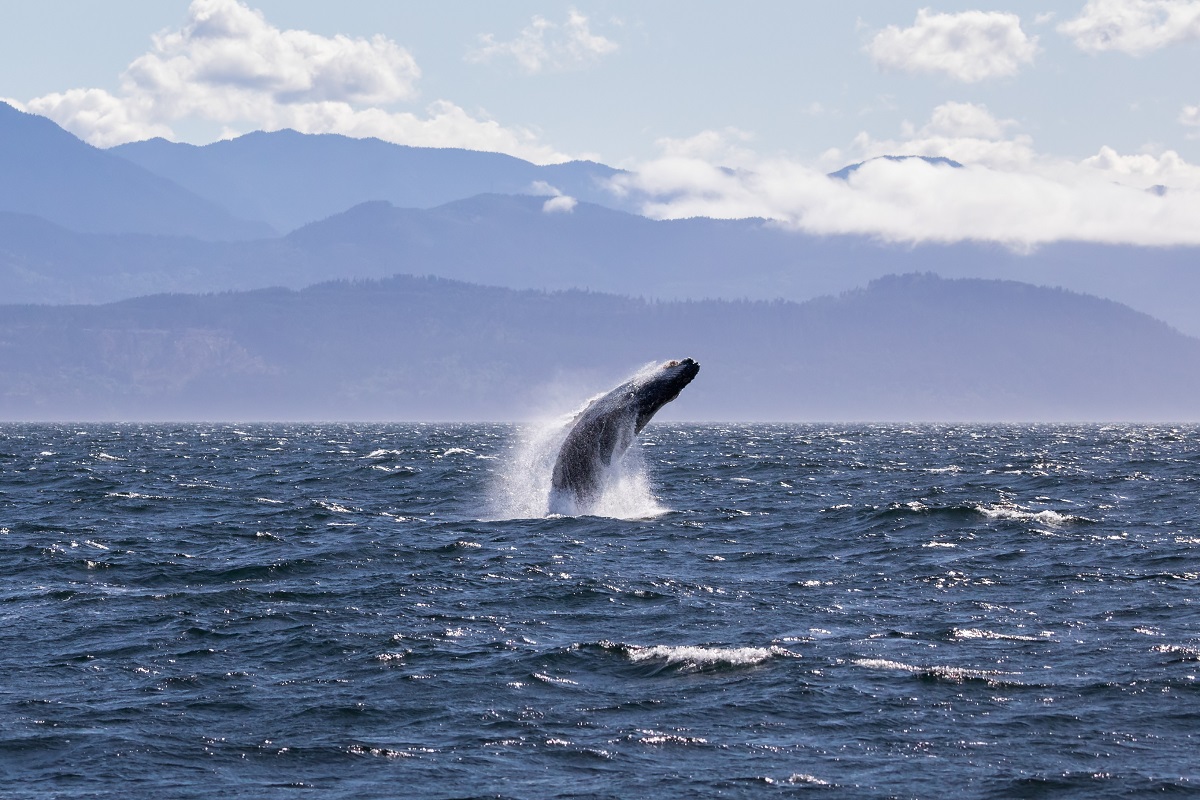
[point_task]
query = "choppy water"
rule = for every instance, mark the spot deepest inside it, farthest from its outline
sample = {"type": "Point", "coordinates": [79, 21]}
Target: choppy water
{"type": "Point", "coordinates": [200, 611]}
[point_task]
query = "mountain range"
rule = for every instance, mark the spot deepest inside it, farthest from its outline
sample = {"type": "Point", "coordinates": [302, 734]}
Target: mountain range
{"type": "Point", "coordinates": [330, 221]}
{"type": "Point", "coordinates": [914, 347]}
{"type": "Point", "coordinates": [513, 241]}
{"type": "Point", "coordinates": [49, 173]}
{"type": "Point", "coordinates": [290, 179]}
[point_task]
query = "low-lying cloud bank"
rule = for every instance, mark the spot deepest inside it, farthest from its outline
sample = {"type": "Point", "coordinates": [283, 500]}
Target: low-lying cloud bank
{"type": "Point", "coordinates": [1004, 191]}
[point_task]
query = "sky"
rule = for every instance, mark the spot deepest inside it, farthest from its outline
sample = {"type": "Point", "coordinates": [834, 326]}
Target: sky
{"type": "Point", "coordinates": [1065, 115]}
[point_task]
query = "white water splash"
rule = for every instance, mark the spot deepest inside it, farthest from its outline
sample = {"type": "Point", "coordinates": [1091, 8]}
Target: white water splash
{"type": "Point", "coordinates": [521, 489]}
{"type": "Point", "coordinates": [694, 657]}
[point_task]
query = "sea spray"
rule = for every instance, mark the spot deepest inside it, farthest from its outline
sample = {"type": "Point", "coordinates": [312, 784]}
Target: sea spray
{"type": "Point", "coordinates": [521, 488]}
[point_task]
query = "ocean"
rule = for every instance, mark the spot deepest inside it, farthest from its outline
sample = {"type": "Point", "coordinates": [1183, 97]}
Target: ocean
{"type": "Point", "coordinates": [387, 610]}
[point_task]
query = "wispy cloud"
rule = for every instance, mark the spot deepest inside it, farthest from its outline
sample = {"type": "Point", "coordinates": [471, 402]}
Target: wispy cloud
{"type": "Point", "coordinates": [1189, 117]}
{"type": "Point", "coordinates": [548, 46]}
{"type": "Point", "coordinates": [970, 46]}
{"type": "Point", "coordinates": [1135, 27]}
{"type": "Point", "coordinates": [227, 64]}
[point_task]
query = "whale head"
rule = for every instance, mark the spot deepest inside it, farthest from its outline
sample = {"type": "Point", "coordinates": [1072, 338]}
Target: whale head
{"type": "Point", "coordinates": [656, 387]}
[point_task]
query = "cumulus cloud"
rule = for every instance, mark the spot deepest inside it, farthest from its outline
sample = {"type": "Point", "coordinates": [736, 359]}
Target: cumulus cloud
{"type": "Point", "coordinates": [545, 45]}
{"type": "Point", "coordinates": [1145, 170]}
{"type": "Point", "coordinates": [229, 55]}
{"type": "Point", "coordinates": [967, 119]}
{"type": "Point", "coordinates": [101, 118]}
{"type": "Point", "coordinates": [562, 204]}
{"type": "Point", "coordinates": [970, 46]}
{"type": "Point", "coordinates": [1135, 27]}
{"type": "Point", "coordinates": [1018, 201]}
{"type": "Point", "coordinates": [965, 132]}
{"type": "Point", "coordinates": [228, 65]}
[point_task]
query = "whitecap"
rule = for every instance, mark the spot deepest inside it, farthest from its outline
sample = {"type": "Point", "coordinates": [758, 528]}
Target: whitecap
{"type": "Point", "coordinates": [551, 679]}
{"type": "Point", "coordinates": [1045, 517]}
{"type": "Point", "coordinates": [383, 453]}
{"type": "Point", "coordinates": [956, 674]}
{"type": "Point", "coordinates": [695, 657]}
{"type": "Point", "coordinates": [976, 633]}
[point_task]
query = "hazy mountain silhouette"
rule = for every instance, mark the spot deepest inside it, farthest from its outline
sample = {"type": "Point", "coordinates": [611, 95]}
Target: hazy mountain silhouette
{"type": "Point", "coordinates": [904, 348]}
{"type": "Point", "coordinates": [512, 241]}
{"type": "Point", "coordinates": [48, 172]}
{"type": "Point", "coordinates": [290, 179]}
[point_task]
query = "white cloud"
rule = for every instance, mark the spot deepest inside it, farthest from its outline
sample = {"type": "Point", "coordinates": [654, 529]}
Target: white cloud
{"type": "Point", "coordinates": [98, 116]}
{"type": "Point", "coordinates": [1190, 116]}
{"type": "Point", "coordinates": [229, 66]}
{"type": "Point", "coordinates": [967, 119]}
{"type": "Point", "coordinates": [964, 132]}
{"type": "Point", "coordinates": [1135, 27]}
{"type": "Point", "coordinates": [557, 202]}
{"type": "Point", "coordinates": [1011, 194]}
{"type": "Point", "coordinates": [1144, 170]}
{"type": "Point", "coordinates": [545, 45]}
{"type": "Point", "coordinates": [724, 146]}
{"type": "Point", "coordinates": [970, 46]}
{"type": "Point", "coordinates": [562, 204]}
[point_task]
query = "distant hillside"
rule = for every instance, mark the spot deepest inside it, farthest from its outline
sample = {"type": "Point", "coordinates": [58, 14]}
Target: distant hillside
{"type": "Point", "coordinates": [49, 173]}
{"type": "Point", "coordinates": [513, 241]}
{"type": "Point", "coordinates": [915, 347]}
{"type": "Point", "coordinates": [290, 179]}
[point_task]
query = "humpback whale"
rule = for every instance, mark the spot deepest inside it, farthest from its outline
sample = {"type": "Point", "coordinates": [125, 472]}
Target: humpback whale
{"type": "Point", "coordinates": [601, 433]}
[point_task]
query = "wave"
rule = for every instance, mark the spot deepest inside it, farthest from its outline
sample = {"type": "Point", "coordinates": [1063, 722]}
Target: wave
{"type": "Point", "coordinates": [1014, 512]}
{"type": "Point", "coordinates": [975, 633]}
{"type": "Point", "coordinates": [693, 658]}
{"type": "Point", "coordinates": [996, 511]}
{"type": "Point", "coordinates": [383, 453]}
{"type": "Point", "coordinates": [938, 672]}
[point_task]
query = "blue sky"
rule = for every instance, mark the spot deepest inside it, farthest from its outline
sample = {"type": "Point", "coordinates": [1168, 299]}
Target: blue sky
{"type": "Point", "coordinates": [1053, 106]}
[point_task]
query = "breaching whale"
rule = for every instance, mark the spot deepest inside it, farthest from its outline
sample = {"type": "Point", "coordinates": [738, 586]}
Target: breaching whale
{"type": "Point", "coordinates": [601, 433]}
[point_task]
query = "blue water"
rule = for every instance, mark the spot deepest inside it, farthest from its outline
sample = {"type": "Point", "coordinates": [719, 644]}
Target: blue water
{"type": "Point", "coordinates": [370, 611]}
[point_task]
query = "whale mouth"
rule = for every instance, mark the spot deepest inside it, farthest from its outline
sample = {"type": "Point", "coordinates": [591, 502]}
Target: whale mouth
{"type": "Point", "coordinates": [682, 371]}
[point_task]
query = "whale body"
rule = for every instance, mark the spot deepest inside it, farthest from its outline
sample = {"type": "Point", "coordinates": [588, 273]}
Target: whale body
{"type": "Point", "coordinates": [601, 433]}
